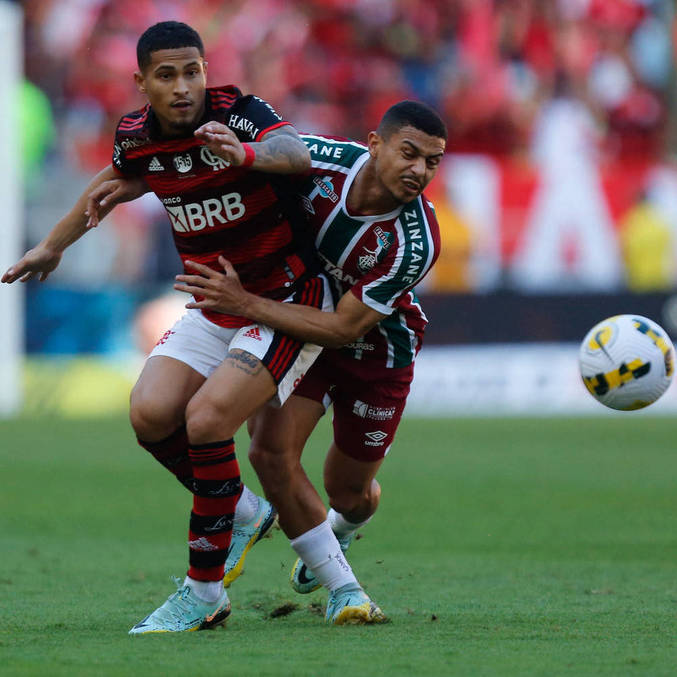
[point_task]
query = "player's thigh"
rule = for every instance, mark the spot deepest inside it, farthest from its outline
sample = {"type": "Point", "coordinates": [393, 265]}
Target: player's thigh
{"type": "Point", "coordinates": [283, 431]}
{"type": "Point", "coordinates": [162, 392]}
{"type": "Point", "coordinates": [232, 393]}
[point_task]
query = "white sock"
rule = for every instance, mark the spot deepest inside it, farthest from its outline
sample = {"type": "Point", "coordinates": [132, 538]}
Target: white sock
{"type": "Point", "coordinates": [209, 591]}
{"type": "Point", "coordinates": [321, 553]}
{"type": "Point", "coordinates": [247, 506]}
{"type": "Point", "coordinates": [341, 526]}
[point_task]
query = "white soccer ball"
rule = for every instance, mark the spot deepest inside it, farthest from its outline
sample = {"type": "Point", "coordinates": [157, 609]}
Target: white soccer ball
{"type": "Point", "coordinates": [627, 362]}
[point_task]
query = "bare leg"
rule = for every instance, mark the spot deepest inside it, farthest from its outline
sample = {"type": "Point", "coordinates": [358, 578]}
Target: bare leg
{"type": "Point", "coordinates": [238, 387]}
{"type": "Point", "coordinates": [278, 436]}
{"type": "Point", "coordinates": [353, 492]}
{"type": "Point", "coordinates": [159, 398]}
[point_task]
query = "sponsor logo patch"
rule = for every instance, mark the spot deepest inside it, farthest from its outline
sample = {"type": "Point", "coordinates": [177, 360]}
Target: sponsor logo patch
{"type": "Point", "coordinates": [364, 410]}
{"type": "Point", "coordinates": [155, 165]}
{"type": "Point", "coordinates": [133, 143]}
{"type": "Point", "coordinates": [183, 163]}
{"type": "Point", "coordinates": [209, 213]}
{"type": "Point", "coordinates": [375, 438]}
{"type": "Point", "coordinates": [224, 523]}
{"type": "Point", "coordinates": [163, 339]}
{"type": "Point", "coordinates": [202, 544]}
{"type": "Point", "coordinates": [326, 188]}
{"type": "Point", "coordinates": [244, 125]}
{"type": "Point", "coordinates": [253, 333]}
{"type": "Point", "coordinates": [360, 345]}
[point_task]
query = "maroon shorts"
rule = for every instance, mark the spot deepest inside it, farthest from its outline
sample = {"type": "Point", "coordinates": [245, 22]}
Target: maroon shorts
{"type": "Point", "coordinates": [368, 401]}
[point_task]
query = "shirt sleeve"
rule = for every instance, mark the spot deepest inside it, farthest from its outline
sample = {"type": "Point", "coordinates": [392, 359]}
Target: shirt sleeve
{"type": "Point", "coordinates": [121, 163]}
{"type": "Point", "coordinates": [254, 118]}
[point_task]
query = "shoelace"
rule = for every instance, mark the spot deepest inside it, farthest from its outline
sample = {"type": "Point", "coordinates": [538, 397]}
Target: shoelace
{"type": "Point", "coordinates": [179, 603]}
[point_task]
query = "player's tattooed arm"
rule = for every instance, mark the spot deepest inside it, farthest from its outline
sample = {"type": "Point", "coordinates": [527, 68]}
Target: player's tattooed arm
{"type": "Point", "coordinates": [281, 151]}
{"type": "Point", "coordinates": [244, 361]}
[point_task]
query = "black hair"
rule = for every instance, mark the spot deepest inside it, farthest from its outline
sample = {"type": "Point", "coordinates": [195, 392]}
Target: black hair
{"type": "Point", "coordinates": [166, 35]}
{"type": "Point", "coordinates": [414, 114]}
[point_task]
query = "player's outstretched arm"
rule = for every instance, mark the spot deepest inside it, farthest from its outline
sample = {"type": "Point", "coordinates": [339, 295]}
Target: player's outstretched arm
{"type": "Point", "coordinates": [111, 193]}
{"type": "Point", "coordinates": [45, 256]}
{"type": "Point", "coordinates": [224, 293]}
{"type": "Point", "coordinates": [280, 151]}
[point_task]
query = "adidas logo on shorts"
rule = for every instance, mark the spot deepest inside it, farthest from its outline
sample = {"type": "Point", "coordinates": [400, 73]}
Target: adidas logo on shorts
{"type": "Point", "coordinates": [253, 333]}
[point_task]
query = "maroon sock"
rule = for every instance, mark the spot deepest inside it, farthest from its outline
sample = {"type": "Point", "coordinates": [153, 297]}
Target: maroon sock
{"type": "Point", "coordinates": [217, 487]}
{"type": "Point", "coordinates": [172, 453]}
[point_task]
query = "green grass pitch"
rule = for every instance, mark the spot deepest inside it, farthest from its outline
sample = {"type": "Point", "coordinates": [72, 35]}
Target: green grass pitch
{"type": "Point", "coordinates": [502, 547]}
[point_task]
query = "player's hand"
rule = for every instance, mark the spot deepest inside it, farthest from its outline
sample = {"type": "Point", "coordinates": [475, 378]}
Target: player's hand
{"type": "Point", "coordinates": [222, 292]}
{"type": "Point", "coordinates": [37, 261]}
{"type": "Point", "coordinates": [222, 141]}
{"type": "Point", "coordinates": [110, 193]}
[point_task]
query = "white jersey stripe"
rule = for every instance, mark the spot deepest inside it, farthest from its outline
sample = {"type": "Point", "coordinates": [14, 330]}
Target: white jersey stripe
{"type": "Point", "coordinates": [390, 360]}
{"type": "Point", "coordinates": [325, 226]}
{"type": "Point", "coordinates": [330, 166]}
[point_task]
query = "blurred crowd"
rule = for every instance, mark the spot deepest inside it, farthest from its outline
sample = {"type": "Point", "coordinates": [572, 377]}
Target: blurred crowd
{"type": "Point", "coordinates": [549, 91]}
{"type": "Point", "coordinates": [335, 65]}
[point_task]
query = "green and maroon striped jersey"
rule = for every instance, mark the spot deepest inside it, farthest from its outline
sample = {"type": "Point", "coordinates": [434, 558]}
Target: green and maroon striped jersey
{"type": "Point", "coordinates": [377, 258]}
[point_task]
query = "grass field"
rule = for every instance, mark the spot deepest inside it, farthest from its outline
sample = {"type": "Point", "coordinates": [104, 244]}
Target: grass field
{"type": "Point", "coordinates": [502, 547]}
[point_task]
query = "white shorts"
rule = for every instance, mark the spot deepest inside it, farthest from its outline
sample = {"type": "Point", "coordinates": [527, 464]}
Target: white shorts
{"type": "Point", "coordinates": [203, 345]}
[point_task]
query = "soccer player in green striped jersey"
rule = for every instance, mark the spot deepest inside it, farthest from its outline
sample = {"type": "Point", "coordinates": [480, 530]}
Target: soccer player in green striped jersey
{"type": "Point", "coordinates": [377, 237]}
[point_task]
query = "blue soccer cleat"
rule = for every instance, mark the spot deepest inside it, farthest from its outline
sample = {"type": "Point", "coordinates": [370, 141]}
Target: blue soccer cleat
{"type": "Point", "coordinates": [350, 605]}
{"type": "Point", "coordinates": [245, 536]}
{"type": "Point", "coordinates": [184, 612]}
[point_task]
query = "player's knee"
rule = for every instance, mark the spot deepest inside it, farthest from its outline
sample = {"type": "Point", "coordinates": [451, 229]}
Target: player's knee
{"type": "Point", "coordinates": [203, 420]}
{"type": "Point", "coordinates": [266, 460]}
{"type": "Point", "coordinates": [346, 500]}
{"type": "Point", "coordinates": [151, 419]}
{"type": "Point", "coordinates": [350, 499]}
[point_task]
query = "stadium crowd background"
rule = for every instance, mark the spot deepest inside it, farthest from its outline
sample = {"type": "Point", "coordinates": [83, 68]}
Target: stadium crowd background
{"type": "Point", "coordinates": [493, 68]}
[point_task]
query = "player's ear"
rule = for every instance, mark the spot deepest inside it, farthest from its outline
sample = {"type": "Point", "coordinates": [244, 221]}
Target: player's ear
{"type": "Point", "coordinates": [140, 81]}
{"type": "Point", "coordinates": [373, 143]}
{"type": "Point", "coordinates": [204, 67]}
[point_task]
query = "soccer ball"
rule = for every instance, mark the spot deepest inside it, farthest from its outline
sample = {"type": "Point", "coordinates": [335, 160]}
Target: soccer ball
{"type": "Point", "coordinates": [627, 362]}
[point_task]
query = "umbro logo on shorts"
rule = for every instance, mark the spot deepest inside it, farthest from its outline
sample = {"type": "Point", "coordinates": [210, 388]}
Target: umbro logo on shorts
{"type": "Point", "coordinates": [253, 333]}
{"type": "Point", "coordinates": [376, 437]}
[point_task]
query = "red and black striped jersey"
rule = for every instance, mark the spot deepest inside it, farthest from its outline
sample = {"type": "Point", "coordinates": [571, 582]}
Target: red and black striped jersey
{"type": "Point", "coordinates": [252, 218]}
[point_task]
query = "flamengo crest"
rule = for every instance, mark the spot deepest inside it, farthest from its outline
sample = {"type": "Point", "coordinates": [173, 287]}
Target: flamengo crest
{"type": "Point", "coordinates": [214, 161]}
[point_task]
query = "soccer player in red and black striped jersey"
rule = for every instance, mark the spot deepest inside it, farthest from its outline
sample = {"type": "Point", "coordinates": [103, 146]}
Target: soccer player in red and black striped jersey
{"type": "Point", "coordinates": [219, 161]}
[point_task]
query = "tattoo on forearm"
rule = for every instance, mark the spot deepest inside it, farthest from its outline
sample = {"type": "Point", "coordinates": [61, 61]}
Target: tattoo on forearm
{"type": "Point", "coordinates": [282, 149]}
{"type": "Point", "coordinates": [245, 361]}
